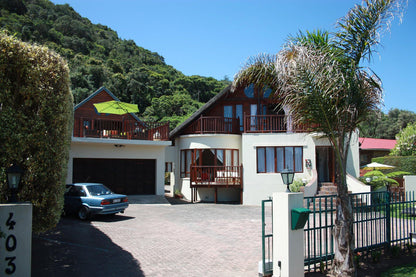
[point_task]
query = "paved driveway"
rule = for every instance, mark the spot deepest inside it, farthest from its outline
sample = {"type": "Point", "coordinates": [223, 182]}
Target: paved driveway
{"type": "Point", "coordinates": [154, 240]}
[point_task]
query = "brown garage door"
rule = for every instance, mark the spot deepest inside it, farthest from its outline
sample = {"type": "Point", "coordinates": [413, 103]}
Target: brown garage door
{"type": "Point", "coordinates": [124, 176]}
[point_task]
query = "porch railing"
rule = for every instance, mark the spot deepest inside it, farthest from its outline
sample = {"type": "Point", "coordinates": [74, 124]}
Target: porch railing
{"type": "Point", "coordinates": [216, 176]}
{"type": "Point", "coordinates": [215, 125]}
{"type": "Point", "coordinates": [120, 129]}
{"type": "Point", "coordinates": [271, 124]}
{"type": "Point", "coordinates": [249, 124]}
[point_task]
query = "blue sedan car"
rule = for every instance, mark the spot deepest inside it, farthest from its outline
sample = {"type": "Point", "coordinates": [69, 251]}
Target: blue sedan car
{"type": "Point", "coordinates": [88, 199]}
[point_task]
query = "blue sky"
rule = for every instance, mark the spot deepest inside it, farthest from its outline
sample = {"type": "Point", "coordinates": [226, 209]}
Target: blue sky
{"type": "Point", "coordinates": [216, 37]}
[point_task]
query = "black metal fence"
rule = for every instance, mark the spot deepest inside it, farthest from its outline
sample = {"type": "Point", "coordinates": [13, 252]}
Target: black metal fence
{"type": "Point", "coordinates": [381, 220]}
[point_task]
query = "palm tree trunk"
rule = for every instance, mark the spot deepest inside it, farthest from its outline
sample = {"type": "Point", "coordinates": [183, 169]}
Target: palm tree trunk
{"type": "Point", "coordinates": [343, 264]}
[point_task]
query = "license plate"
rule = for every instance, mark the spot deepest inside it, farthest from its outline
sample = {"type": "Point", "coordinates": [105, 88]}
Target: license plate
{"type": "Point", "coordinates": [116, 200]}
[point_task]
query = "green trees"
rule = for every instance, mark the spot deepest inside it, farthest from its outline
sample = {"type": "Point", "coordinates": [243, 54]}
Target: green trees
{"type": "Point", "coordinates": [320, 77]}
{"type": "Point", "coordinates": [98, 57]}
{"type": "Point", "coordinates": [35, 125]}
{"type": "Point", "coordinates": [406, 142]}
{"type": "Point", "coordinates": [172, 108]}
{"type": "Point", "coordinates": [386, 126]}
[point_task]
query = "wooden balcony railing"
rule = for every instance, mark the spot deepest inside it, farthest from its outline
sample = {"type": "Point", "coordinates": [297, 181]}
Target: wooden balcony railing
{"type": "Point", "coordinates": [215, 125]}
{"type": "Point", "coordinates": [225, 176]}
{"type": "Point", "coordinates": [251, 124]}
{"type": "Point", "coordinates": [125, 129]}
{"type": "Point", "coordinates": [271, 124]}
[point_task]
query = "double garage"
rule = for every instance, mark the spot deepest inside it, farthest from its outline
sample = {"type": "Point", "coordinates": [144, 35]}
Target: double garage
{"type": "Point", "coordinates": [125, 176]}
{"type": "Point", "coordinates": [126, 167]}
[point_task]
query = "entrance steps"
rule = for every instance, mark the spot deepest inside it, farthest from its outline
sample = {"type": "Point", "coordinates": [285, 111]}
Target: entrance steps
{"type": "Point", "coordinates": [327, 189]}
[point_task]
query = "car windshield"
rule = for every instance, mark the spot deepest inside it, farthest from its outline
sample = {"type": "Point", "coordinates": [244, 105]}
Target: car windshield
{"type": "Point", "coordinates": [96, 190]}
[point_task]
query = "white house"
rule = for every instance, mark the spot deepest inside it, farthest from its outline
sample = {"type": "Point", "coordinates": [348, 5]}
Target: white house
{"type": "Point", "coordinates": [235, 147]}
{"type": "Point", "coordinates": [232, 149]}
{"type": "Point", "coordinates": [120, 151]}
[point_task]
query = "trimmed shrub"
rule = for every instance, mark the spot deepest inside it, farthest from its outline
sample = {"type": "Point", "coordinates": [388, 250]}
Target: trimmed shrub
{"type": "Point", "coordinates": [36, 107]}
{"type": "Point", "coordinates": [407, 163]}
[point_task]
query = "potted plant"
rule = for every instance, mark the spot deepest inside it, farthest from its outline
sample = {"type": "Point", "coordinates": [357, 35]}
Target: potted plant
{"type": "Point", "coordinates": [178, 194]}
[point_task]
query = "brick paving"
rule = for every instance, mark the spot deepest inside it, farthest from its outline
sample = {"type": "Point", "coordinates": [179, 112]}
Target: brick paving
{"type": "Point", "coordinates": [154, 240]}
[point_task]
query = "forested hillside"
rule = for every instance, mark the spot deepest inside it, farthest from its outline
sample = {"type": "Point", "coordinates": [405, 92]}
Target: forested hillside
{"type": "Point", "coordinates": [98, 57]}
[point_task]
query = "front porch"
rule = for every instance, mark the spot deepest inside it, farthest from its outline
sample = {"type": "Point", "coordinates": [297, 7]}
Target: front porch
{"type": "Point", "coordinates": [216, 177]}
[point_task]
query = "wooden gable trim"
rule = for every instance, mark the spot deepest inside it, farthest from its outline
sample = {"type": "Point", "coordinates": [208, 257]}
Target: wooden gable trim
{"type": "Point", "coordinates": [85, 107]}
{"type": "Point", "coordinates": [94, 94]}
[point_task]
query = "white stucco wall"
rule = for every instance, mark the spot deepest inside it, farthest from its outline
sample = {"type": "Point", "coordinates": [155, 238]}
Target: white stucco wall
{"type": "Point", "coordinates": [256, 186]}
{"type": "Point", "coordinates": [259, 186]}
{"type": "Point", "coordinates": [353, 161]}
{"type": "Point", "coordinates": [205, 141]}
{"type": "Point", "coordinates": [105, 149]}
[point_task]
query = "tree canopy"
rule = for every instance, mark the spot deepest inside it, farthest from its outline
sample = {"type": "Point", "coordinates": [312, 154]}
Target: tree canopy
{"type": "Point", "coordinates": [98, 57]}
{"type": "Point", "coordinates": [386, 126]}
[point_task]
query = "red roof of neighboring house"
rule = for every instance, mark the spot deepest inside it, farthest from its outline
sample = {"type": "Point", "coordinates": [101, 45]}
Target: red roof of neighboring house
{"type": "Point", "coordinates": [376, 144]}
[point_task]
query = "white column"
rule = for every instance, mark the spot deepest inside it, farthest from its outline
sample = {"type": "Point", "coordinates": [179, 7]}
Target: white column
{"type": "Point", "coordinates": [16, 243]}
{"type": "Point", "coordinates": [288, 244]}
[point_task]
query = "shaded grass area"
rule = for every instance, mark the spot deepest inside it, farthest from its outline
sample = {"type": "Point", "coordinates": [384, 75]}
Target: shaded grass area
{"type": "Point", "coordinates": [386, 262]}
{"type": "Point", "coordinates": [408, 270]}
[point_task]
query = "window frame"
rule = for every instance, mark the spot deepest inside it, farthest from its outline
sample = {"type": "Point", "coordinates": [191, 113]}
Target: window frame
{"type": "Point", "coordinates": [186, 164]}
{"type": "Point", "coordinates": [265, 166]}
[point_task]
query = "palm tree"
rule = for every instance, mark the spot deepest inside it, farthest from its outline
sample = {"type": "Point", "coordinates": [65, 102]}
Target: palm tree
{"type": "Point", "coordinates": [320, 77]}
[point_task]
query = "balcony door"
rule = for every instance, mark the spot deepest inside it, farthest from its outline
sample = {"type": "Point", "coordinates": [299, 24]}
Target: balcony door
{"type": "Point", "coordinates": [228, 118]}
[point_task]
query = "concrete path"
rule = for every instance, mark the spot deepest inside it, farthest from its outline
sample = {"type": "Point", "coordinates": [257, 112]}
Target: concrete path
{"type": "Point", "coordinates": [154, 238]}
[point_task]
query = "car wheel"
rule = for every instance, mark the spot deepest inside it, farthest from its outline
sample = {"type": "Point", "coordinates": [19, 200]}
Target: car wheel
{"type": "Point", "coordinates": [84, 213]}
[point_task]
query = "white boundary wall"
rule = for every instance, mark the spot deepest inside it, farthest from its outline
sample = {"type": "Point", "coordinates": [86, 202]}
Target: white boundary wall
{"type": "Point", "coordinates": [410, 183]}
{"type": "Point", "coordinates": [288, 246]}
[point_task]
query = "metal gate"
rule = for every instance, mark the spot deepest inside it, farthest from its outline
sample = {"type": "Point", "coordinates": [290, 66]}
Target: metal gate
{"type": "Point", "coordinates": [267, 237]}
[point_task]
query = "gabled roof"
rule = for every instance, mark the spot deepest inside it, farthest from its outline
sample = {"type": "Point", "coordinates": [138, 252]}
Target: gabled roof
{"type": "Point", "coordinates": [175, 132]}
{"type": "Point", "coordinates": [376, 144]}
{"type": "Point", "coordinates": [93, 95]}
{"type": "Point", "coordinates": [97, 92]}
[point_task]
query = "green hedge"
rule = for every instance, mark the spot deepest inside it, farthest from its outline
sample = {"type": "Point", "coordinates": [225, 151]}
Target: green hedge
{"type": "Point", "coordinates": [36, 107]}
{"type": "Point", "coordinates": [402, 163]}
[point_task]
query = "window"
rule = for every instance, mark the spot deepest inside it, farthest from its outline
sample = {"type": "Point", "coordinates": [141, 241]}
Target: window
{"type": "Point", "coordinates": [239, 115]}
{"type": "Point", "coordinates": [275, 159]}
{"type": "Point", "coordinates": [207, 157]}
{"type": "Point", "coordinates": [249, 91]}
{"type": "Point", "coordinates": [168, 167]}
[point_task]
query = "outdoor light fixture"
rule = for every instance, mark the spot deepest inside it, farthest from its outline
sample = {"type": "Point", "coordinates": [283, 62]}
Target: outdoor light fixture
{"type": "Point", "coordinates": [287, 177]}
{"type": "Point", "coordinates": [14, 174]}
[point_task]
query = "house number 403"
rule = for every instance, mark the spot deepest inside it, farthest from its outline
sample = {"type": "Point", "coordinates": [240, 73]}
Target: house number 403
{"type": "Point", "coordinates": [11, 244]}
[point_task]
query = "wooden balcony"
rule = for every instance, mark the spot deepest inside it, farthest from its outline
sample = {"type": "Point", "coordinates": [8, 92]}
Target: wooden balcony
{"type": "Point", "coordinates": [124, 129]}
{"type": "Point", "coordinates": [214, 125]}
{"type": "Point", "coordinates": [216, 177]}
{"type": "Point", "coordinates": [271, 124]}
{"type": "Point", "coordinates": [225, 176]}
{"type": "Point", "coordinates": [251, 124]}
